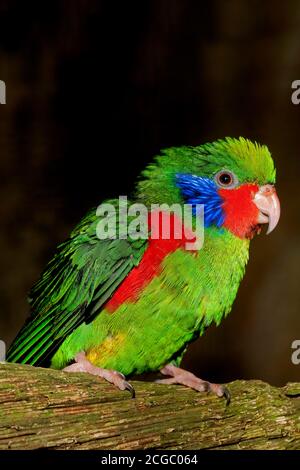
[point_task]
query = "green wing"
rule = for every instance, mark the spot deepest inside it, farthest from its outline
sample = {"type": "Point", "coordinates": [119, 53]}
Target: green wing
{"type": "Point", "coordinates": [76, 283]}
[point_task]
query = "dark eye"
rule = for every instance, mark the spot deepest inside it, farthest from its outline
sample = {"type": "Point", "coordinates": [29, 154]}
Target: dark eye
{"type": "Point", "coordinates": [226, 179]}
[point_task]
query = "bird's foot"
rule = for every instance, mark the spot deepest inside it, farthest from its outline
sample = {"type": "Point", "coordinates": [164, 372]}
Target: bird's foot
{"type": "Point", "coordinates": [82, 364]}
{"type": "Point", "coordinates": [183, 377]}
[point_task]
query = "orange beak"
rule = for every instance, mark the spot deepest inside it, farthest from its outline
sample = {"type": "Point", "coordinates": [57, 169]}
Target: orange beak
{"type": "Point", "coordinates": [267, 202]}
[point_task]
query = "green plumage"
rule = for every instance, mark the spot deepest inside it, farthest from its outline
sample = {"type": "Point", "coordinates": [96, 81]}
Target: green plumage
{"type": "Point", "coordinates": [189, 293]}
{"type": "Point", "coordinates": [174, 309]}
{"type": "Point", "coordinates": [82, 276]}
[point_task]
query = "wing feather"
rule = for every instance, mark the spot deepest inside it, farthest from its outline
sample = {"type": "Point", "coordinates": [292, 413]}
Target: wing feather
{"type": "Point", "coordinates": [74, 287]}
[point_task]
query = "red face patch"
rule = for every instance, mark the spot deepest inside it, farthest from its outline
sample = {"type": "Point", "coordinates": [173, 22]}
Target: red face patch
{"type": "Point", "coordinates": [239, 210]}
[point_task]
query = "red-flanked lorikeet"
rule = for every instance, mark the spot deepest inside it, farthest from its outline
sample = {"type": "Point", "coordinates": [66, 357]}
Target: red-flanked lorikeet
{"type": "Point", "coordinates": [121, 306]}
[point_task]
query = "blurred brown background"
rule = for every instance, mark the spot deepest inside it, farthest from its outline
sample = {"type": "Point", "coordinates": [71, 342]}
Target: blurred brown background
{"type": "Point", "coordinates": [95, 89]}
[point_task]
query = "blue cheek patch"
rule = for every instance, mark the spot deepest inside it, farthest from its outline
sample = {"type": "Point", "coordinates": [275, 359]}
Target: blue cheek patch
{"type": "Point", "coordinates": [198, 190]}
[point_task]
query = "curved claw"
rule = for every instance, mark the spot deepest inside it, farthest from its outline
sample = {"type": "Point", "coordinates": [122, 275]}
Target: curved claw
{"type": "Point", "coordinates": [130, 388]}
{"type": "Point", "coordinates": [226, 394]}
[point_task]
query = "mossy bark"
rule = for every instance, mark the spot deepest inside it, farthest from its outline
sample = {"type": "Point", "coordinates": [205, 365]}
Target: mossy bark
{"type": "Point", "coordinates": [43, 408]}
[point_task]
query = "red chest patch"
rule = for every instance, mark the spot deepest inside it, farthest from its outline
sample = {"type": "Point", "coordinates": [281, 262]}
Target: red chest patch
{"type": "Point", "coordinates": [151, 263]}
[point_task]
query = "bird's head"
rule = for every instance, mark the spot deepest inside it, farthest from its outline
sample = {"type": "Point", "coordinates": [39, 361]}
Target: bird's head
{"type": "Point", "coordinates": [233, 178]}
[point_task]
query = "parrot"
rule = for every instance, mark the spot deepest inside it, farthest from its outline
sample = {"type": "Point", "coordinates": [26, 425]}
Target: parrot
{"type": "Point", "coordinates": [122, 306]}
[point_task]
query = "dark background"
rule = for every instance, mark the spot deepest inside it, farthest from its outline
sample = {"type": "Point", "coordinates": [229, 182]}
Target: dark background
{"type": "Point", "coordinates": [95, 89]}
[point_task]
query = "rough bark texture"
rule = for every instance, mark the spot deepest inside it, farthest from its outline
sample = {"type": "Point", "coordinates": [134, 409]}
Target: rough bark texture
{"type": "Point", "coordinates": [42, 408]}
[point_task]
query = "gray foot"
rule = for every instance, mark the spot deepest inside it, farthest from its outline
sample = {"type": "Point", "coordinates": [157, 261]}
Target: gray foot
{"type": "Point", "coordinates": [183, 377]}
{"type": "Point", "coordinates": [82, 364]}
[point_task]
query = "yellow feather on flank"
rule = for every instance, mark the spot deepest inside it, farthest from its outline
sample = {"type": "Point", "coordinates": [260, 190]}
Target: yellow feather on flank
{"type": "Point", "coordinates": [102, 352]}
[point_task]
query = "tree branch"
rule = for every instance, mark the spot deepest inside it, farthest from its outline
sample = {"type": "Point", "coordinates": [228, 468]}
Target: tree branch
{"type": "Point", "coordinates": [44, 408]}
